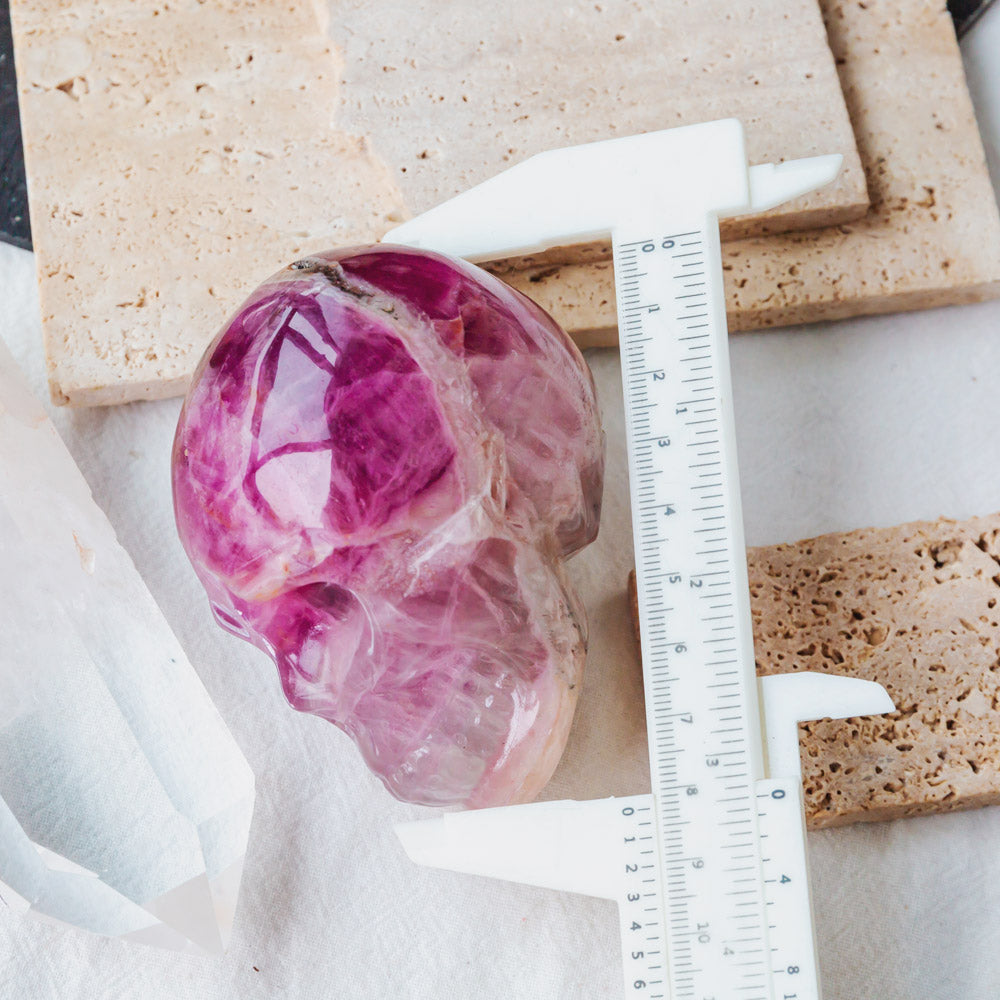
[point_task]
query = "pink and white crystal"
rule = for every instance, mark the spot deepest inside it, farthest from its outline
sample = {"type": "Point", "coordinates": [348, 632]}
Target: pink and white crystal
{"type": "Point", "coordinates": [381, 464]}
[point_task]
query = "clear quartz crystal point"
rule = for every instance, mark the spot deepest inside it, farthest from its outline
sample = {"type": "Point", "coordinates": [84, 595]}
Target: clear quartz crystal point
{"type": "Point", "coordinates": [125, 803]}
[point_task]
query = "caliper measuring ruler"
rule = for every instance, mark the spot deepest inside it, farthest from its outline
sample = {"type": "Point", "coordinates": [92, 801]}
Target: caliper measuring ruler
{"type": "Point", "coordinates": [709, 869]}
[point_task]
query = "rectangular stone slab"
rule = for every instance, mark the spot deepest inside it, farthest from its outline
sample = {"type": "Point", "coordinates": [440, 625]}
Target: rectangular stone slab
{"type": "Point", "coordinates": [487, 93]}
{"type": "Point", "coordinates": [932, 236]}
{"type": "Point", "coordinates": [914, 607]}
{"type": "Point", "coordinates": [177, 156]}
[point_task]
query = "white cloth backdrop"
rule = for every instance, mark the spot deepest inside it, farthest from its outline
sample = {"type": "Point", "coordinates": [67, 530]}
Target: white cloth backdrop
{"type": "Point", "coordinates": [867, 422]}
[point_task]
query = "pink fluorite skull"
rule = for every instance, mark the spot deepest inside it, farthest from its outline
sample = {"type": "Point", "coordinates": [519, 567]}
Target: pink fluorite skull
{"type": "Point", "coordinates": [381, 464]}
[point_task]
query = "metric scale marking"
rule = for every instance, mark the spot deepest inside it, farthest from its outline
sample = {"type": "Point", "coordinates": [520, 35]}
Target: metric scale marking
{"type": "Point", "coordinates": [697, 646]}
{"type": "Point", "coordinates": [709, 870]}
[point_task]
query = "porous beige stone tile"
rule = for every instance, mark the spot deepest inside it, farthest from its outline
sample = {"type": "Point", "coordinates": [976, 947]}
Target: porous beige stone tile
{"type": "Point", "coordinates": [915, 608]}
{"type": "Point", "coordinates": [450, 101]}
{"type": "Point", "coordinates": [932, 235]}
{"type": "Point", "coordinates": [177, 154]}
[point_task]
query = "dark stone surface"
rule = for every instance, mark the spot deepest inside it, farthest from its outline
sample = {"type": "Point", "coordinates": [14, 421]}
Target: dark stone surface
{"type": "Point", "coordinates": [14, 224]}
{"type": "Point", "coordinates": [965, 13]}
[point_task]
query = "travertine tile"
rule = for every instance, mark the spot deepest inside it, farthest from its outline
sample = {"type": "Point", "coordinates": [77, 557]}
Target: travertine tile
{"type": "Point", "coordinates": [493, 84]}
{"type": "Point", "coordinates": [915, 608]}
{"type": "Point", "coordinates": [932, 236]}
{"type": "Point", "coordinates": [176, 156]}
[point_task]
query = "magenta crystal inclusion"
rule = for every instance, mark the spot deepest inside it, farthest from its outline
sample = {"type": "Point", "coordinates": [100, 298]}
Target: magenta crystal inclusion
{"type": "Point", "coordinates": [381, 464]}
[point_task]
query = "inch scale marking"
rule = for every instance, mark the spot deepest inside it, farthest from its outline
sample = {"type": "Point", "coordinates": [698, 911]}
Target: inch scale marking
{"type": "Point", "coordinates": [706, 911]}
{"type": "Point", "coordinates": [697, 656]}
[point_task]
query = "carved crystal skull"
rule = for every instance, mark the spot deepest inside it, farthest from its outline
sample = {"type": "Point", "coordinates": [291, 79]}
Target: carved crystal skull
{"type": "Point", "coordinates": [381, 464]}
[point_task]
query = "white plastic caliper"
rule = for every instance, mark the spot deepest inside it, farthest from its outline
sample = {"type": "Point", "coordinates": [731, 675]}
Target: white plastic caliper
{"type": "Point", "coordinates": [709, 870]}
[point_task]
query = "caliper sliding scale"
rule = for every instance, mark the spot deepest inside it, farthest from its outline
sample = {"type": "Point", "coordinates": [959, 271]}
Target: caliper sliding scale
{"type": "Point", "coordinates": [709, 870]}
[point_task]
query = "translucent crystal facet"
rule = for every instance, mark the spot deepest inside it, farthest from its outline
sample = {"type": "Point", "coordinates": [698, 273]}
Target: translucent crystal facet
{"type": "Point", "coordinates": [125, 803]}
{"type": "Point", "coordinates": [382, 462]}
